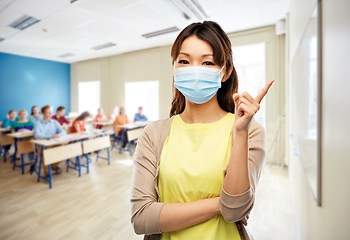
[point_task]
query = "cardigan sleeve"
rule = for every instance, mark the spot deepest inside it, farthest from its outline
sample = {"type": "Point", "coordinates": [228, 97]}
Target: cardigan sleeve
{"type": "Point", "coordinates": [145, 208]}
{"type": "Point", "coordinates": [235, 207]}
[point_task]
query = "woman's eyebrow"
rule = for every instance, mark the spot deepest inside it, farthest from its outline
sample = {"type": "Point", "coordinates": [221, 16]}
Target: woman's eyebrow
{"type": "Point", "coordinates": [184, 54]}
{"type": "Point", "coordinates": [204, 55]}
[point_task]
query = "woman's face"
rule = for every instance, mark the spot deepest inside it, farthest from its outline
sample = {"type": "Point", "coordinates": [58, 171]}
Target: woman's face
{"type": "Point", "coordinates": [13, 115]}
{"type": "Point", "coordinates": [22, 115]}
{"type": "Point", "coordinates": [36, 111]}
{"type": "Point", "coordinates": [195, 52]}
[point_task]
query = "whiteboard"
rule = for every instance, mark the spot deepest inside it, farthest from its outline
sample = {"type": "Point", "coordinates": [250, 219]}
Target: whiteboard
{"type": "Point", "coordinates": [306, 102]}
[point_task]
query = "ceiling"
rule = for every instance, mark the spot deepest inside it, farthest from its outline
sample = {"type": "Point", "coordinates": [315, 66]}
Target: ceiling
{"type": "Point", "coordinates": [76, 28]}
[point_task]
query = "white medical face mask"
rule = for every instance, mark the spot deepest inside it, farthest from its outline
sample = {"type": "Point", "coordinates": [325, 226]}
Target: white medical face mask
{"type": "Point", "coordinates": [198, 84]}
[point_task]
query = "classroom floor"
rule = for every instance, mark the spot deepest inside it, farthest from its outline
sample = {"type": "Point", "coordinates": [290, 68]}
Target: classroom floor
{"type": "Point", "coordinates": [96, 205]}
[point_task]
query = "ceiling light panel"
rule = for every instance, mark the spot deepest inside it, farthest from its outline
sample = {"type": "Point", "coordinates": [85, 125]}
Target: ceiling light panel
{"type": "Point", "coordinates": [161, 32]}
{"type": "Point", "coordinates": [103, 46]}
{"type": "Point", "coordinates": [24, 22]}
{"type": "Point", "coordinates": [38, 8]}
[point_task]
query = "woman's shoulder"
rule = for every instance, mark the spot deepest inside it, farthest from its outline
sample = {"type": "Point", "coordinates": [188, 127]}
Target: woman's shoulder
{"type": "Point", "coordinates": [158, 129]}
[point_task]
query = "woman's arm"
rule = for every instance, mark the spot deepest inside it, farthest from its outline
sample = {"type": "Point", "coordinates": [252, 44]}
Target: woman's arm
{"type": "Point", "coordinates": [148, 215]}
{"type": "Point", "coordinates": [247, 159]}
{"type": "Point", "coordinates": [176, 216]}
{"type": "Point", "coordinates": [77, 127]}
{"type": "Point", "coordinates": [237, 177]}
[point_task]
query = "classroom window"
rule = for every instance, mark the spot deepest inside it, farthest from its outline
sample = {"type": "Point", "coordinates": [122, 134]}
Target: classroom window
{"type": "Point", "coordinates": [142, 94]}
{"type": "Point", "coordinates": [249, 61]}
{"type": "Point", "coordinates": [89, 96]}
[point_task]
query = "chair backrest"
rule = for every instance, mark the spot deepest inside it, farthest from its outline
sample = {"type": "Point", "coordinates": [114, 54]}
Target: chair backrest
{"type": "Point", "coordinates": [96, 144]}
{"type": "Point", "coordinates": [6, 140]}
{"type": "Point", "coordinates": [134, 133]}
{"type": "Point", "coordinates": [69, 129]}
{"type": "Point", "coordinates": [25, 147]}
{"type": "Point", "coordinates": [61, 153]}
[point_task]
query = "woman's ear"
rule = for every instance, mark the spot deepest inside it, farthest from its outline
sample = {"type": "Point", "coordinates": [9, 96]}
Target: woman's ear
{"type": "Point", "coordinates": [225, 75]}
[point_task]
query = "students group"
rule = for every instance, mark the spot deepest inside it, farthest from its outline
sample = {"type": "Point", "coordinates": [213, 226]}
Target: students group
{"type": "Point", "coordinates": [47, 126]}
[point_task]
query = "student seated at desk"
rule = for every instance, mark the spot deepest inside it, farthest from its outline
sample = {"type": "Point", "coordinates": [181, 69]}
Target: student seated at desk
{"type": "Point", "coordinates": [60, 116]}
{"type": "Point", "coordinates": [10, 119]}
{"type": "Point", "coordinates": [35, 115]}
{"type": "Point", "coordinates": [140, 117]}
{"type": "Point", "coordinates": [48, 128]}
{"type": "Point", "coordinates": [23, 125]}
{"type": "Point", "coordinates": [114, 114]}
{"type": "Point", "coordinates": [79, 123]}
{"type": "Point", "coordinates": [100, 117]}
{"type": "Point", "coordinates": [121, 119]}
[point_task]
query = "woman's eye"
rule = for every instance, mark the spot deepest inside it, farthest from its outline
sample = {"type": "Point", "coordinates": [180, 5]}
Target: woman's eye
{"type": "Point", "coordinates": [208, 63]}
{"type": "Point", "coordinates": [183, 61]}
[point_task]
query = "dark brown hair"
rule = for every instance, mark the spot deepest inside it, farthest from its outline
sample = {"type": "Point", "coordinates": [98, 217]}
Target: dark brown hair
{"type": "Point", "coordinates": [44, 108]}
{"type": "Point", "coordinates": [212, 33]}
{"type": "Point", "coordinates": [12, 111]}
{"type": "Point", "coordinates": [82, 116]}
{"type": "Point", "coordinates": [60, 108]}
{"type": "Point", "coordinates": [32, 113]}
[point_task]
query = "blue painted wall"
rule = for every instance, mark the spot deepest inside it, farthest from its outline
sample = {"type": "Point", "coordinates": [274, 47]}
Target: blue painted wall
{"type": "Point", "coordinates": [26, 81]}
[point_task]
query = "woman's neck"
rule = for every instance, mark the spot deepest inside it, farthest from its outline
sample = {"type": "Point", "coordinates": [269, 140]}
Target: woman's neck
{"type": "Point", "coordinates": [22, 120]}
{"type": "Point", "coordinates": [203, 113]}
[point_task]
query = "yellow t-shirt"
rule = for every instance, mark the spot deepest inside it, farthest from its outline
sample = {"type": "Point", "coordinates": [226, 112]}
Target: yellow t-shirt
{"type": "Point", "coordinates": [191, 168]}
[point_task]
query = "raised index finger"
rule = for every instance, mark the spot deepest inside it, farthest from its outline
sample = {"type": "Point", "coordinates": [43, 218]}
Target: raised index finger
{"type": "Point", "coordinates": [263, 91]}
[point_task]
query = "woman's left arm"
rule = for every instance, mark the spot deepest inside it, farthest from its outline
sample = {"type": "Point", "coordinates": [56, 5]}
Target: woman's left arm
{"type": "Point", "coordinates": [243, 173]}
{"type": "Point", "coordinates": [247, 158]}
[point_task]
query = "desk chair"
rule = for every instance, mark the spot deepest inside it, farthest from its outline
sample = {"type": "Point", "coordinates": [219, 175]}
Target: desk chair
{"type": "Point", "coordinates": [23, 147]}
{"type": "Point", "coordinates": [97, 144]}
{"type": "Point", "coordinates": [133, 135]}
{"type": "Point", "coordinates": [5, 141]}
{"type": "Point", "coordinates": [61, 153]}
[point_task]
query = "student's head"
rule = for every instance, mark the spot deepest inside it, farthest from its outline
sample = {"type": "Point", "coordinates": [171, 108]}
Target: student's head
{"type": "Point", "coordinates": [83, 116]}
{"type": "Point", "coordinates": [35, 111]}
{"type": "Point", "coordinates": [205, 44]}
{"type": "Point", "coordinates": [140, 110]}
{"type": "Point", "coordinates": [121, 111]}
{"type": "Point", "coordinates": [60, 111]}
{"type": "Point", "coordinates": [115, 110]}
{"type": "Point", "coordinates": [22, 114]}
{"type": "Point", "coordinates": [100, 111]}
{"type": "Point", "coordinates": [13, 114]}
{"type": "Point", "coordinates": [46, 112]}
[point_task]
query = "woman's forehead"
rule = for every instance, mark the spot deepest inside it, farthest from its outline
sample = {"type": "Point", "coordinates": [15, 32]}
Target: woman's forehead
{"type": "Point", "coordinates": [195, 46]}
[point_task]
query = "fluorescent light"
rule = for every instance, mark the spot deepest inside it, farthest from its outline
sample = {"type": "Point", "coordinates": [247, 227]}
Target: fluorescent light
{"type": "Point", "coordinates": [24, 22]}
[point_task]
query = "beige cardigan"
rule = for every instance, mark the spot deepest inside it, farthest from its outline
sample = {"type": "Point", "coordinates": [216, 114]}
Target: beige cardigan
{"type": "Point", "coordinates": [145, 205]}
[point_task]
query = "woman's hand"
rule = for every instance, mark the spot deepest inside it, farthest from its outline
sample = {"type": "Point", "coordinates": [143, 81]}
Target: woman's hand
{"type": "Point", "coordinates": [246, 106]}
{"type": "Point", "coordinates": [245, 220]}
{"type": "Point", "coordinates": [58, 135]}
{"type": "Point", "coordinates": [23, 130]}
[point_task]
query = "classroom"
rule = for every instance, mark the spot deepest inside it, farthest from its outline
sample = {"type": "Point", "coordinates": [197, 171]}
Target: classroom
{"type": "Point", "coordinates": [174, 119]}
